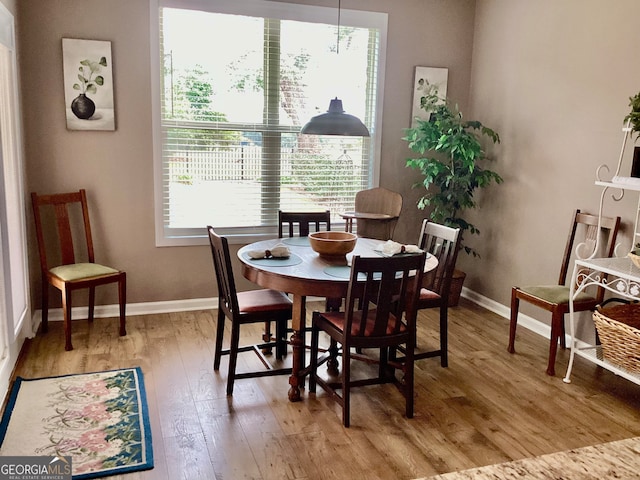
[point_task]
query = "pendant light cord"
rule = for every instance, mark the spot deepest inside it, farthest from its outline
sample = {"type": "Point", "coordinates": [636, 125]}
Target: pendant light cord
{"type": "Point", "coordinates": [338, 37]}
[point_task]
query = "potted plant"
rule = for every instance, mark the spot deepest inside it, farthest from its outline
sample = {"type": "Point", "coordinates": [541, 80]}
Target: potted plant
{"type": "Point", "coordinates": [450, 160]}
{"type": "Point", "coordinates": [82, 106]}
{"type": "Point", "coordinates": [633, 121]}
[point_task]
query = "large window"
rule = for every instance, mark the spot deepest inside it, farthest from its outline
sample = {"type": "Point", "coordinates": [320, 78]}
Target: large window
{"type": "Point", "coordinates": [236, 82]}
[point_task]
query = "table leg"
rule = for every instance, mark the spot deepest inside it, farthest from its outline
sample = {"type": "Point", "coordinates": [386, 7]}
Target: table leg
{"type": "Point", "coordinates": [348, 225]}
{"type": "Point", "coordinates": [333, 305]}
{"type": "Point", "coordinates": [297, 342]}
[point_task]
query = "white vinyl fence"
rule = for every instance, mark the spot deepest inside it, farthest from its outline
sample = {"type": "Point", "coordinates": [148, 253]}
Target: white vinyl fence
{"type": "Point", "coordinates": [237, 163]}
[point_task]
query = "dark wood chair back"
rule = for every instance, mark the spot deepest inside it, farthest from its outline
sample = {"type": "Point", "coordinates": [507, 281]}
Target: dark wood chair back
{"type": "Point", "coordinates": [380, 314]}
{"type": "Point", "coordinates": [245, 307]}
{"type": "Point", "coordinates": [304, 220]}
{"type": "Point", "coordinates": [584, 229]}
{"type": "Point", "coordinates": [227, 295]}
{"type": "Point", "coordinates": [442, 242]}
{"type": "Point", "coordinates": [381, 290]}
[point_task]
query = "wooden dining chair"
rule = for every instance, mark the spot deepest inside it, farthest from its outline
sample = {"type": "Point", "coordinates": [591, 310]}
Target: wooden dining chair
{"type": "Point", "coordinates": [443, 243]}
{"type": "Point", "coordinates": [378, 200]}
{"type": "Point", "coordinates": [242, 308]}
{"type": "Point", "coordinates": [304, 221]}
{"type": "Point", "coordinates": [372, 319]}
{"type": "Point", "coordinates": [555, 298]}
{"type": "Point", "coordinates": [67, 261]}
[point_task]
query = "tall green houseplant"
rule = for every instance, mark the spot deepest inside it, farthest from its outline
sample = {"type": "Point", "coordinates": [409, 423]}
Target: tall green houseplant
{"type": "Point", "coordinates": [450, 161]}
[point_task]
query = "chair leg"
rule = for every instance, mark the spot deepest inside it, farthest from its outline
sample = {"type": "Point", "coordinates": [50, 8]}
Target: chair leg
{"type": "Point", "coordinates": [563, 334]}
{"type": "Point", "coordinates": [266, 337]}
{"type": "Point", "coordinates": [219, 333]}
{"type": "Point", "coordinates": [383, 364]}
{"type": "Point", "coordinates": [393, 354]}
{"type": "Point", "coordinates": [45, 305]}
{"type": "Point", "coordinates": [303, 334]}
{"type": "Point", "coordinates": [281, 338]}
{"type": "Point", "coordinates": [515, 304]}
{"type": "Point", "coordinates": [66, 310]}
{"type": "Point", "coordinates": [332, 363]}
{"type": "Point", "coordinates": [313, 362]}
{"type": "Point", "coordinates": [333, 304]}
{"type": "Point", "coordinates": [409, 380]}
{"type": "Point", "coordinates": [233, 356]}
{"type": "Point", "coordinates": [346, 386]}
{"type": "Point", "coordinates": [92, 303]}
{"type": "Point", "coordinates": [122, 297]}
{"type": "Point", "coordinates": [556, 319]}
{"type": "Point", "coordinates": [444, 336]}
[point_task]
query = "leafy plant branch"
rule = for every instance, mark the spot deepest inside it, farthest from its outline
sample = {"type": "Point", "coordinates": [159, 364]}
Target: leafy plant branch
{"type": "Point", "coordinates": [634, 116]}
{"type": "Point", "coordinates": [450, 150]}
{"type": "Point", "coordinates": [87, 70]}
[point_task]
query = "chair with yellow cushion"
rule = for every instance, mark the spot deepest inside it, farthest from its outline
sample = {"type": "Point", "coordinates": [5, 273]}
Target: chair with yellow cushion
{"type": "Point", "coordinates": [555, 298]}
{"type": "Point", "coordinates": [62, 268]}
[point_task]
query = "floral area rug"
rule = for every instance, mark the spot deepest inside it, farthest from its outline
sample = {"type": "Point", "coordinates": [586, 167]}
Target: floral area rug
{"type": "Point", "coordinates": [100, 420]}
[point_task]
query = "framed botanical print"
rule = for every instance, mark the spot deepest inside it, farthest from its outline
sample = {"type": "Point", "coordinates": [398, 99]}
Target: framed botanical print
{"type": "Point", "coordinates": [88, 84]}
{"type": "Point", "coordinates": [427, 79]}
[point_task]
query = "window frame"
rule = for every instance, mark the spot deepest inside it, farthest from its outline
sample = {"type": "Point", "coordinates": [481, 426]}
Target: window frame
{"type": "Point", "coordinates": [285, 11]}
{"type": "Point", "coordinates": [15, 309]}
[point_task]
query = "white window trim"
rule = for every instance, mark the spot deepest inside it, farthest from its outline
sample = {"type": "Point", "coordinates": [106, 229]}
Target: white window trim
{"type": "Point", "coordinates": [14, 284]}
{"type": "Point", "coordinates": [283, 10]}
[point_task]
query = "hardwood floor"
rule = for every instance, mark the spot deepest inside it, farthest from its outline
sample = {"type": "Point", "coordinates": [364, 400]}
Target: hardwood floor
{"type": "Point", "coordinates": [488, 407]}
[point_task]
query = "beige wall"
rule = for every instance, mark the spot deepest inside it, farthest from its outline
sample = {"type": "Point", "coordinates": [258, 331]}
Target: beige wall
{"type": "Point", "coordinates": [116, 167]}
{"type": "Point", "coordinates": [554, 78]}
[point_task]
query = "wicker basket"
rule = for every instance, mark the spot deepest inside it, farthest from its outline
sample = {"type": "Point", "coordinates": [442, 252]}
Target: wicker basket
{"type": "Point", "coordinates": [634, 258]}
{"type": "Point", "coordinates": [619, 331]}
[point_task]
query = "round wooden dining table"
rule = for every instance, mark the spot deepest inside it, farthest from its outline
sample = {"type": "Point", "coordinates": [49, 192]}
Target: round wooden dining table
{"type": "Point", "coordinates": [304, 273]}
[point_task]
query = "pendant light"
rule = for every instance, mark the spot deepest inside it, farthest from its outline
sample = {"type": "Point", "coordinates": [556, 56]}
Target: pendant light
{"type": "Point", "coordinates": [336, 121]}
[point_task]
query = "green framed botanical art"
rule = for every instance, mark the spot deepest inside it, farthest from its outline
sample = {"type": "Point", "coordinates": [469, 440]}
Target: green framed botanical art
{"type": "Point", "coordinates": [88, 84]}
{"type": "Point", "coordinates": [426, 80]}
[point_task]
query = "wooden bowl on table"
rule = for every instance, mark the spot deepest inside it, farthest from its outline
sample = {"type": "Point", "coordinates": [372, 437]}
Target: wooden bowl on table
{"type": "Point", "coordinates": [332, 244]}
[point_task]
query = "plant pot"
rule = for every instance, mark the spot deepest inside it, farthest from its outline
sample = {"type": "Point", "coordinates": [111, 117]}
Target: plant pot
{"type": "Point", "coordinates": [83, 107]}
{"type": "Point", "coordinates": [635, 165]}
{"type": "Point", "coordinates": [456, 287]}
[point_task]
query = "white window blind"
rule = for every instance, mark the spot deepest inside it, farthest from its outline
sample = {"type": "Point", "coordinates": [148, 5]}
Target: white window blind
{"type": "Point", "coordinates": [236, 84]}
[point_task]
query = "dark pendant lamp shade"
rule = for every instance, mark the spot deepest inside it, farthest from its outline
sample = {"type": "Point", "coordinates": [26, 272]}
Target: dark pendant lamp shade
{"type": "Point", "coordinates": [335, 122]}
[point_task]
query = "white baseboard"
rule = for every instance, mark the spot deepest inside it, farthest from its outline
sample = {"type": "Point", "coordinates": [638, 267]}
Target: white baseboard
{"type": "Point", "coordinates": [149, 308]}
{"type": "Point", "coordinates": [146, 308]}
{"type": "Point", "coordinates": [504, 311]}
{"type": "Point", "coordinates": [530, 323]}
